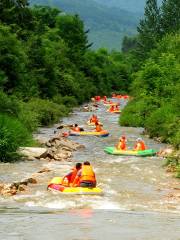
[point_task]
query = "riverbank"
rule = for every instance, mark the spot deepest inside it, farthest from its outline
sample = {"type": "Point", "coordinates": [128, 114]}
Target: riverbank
{"type": "Point", "coordinates": [57, 148]}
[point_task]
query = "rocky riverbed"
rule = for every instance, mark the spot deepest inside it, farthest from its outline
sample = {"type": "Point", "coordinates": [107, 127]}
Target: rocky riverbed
{"type": "Point", "coordinates": [57, 148]}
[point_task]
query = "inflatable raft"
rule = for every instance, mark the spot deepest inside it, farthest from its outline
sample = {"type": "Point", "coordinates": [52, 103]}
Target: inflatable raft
{"type": "Point", "coordinates": [55, 185]}
{"type": "Point", "coordinates": [111, 104]}
{"type": "Point", "coordinates": [115, 111]}
{"type": "Point", "coordinates": [93, 123]}
{"type": "Point", "coordinates": [145, 153]}
{"type": "Point", "coordinates": [103, 133]}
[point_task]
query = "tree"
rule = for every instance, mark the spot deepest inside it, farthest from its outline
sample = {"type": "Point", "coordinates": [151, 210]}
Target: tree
{"type": "Point", "coordinates": [170, 20]}
{"type": "Point", "coordinates": [12, 59]}
{"type": "Point", "coordinates": [44, 16]}
{"type": "Point", "coordinates": [71, 29]}
{"type": "Point", "coordinates": [149, 28]}
{"type": "Point", "coordinates": [16, 13]}
{"type": "Point", "coordinates": [129, 43]}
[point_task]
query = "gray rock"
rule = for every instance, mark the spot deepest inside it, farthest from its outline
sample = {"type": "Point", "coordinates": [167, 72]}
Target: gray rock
{"type": "Point", "coordinates": [33, 152]}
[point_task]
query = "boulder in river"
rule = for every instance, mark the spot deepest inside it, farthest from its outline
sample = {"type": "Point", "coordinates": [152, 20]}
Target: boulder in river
{"type": "Point", "coordinates": [8, 189]}
{"type": "Point", "coordinates": [22, 188]}
{"type": "Point", "coordinates": [33, 152]}
{"type": "Point", "coordinates": [45, 170]}
{"type": "Point", "coordinates": [165, 152]}
{"type": "Point", "coordinates": [32, 180]}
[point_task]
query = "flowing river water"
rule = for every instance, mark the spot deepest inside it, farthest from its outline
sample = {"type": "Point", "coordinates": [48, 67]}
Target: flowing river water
{"type": "Point", "coordinates": [135, 204]}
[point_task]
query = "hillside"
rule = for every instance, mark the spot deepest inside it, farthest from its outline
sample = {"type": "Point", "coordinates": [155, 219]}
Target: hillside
{"type": "Point", "coordinates": [126, 4]}
{"type": "Point", "coordinates": [107, 25]}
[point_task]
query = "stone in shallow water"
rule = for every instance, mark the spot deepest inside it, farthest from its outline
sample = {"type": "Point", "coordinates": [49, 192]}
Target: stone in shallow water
{"type": "Point", "coordinates": [33, 152]}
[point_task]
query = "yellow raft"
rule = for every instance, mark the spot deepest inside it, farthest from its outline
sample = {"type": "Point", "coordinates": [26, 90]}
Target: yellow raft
{"type": "Point", "coordinates": [114, 111]}
{"type": "Point", "coordinates": [111, 104]}
{"type": "Point", "coordinates": [55, 185]}
{"type": "Point", "coordinates": [103, 133]}
{"type": "Point", "coordinates": [93, 123]}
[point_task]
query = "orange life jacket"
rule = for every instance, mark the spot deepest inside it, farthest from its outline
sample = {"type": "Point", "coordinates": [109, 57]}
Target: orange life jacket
{"type": "Point", "coordinates": [87, 174]}
{"type": "Point", "coordinates": [140, 146]}
{"type": "Point", "coordinates": [98, 128]}
{"type": "Point", "coordinates": [121, 145]}
{"type": "Point", "coordinates": [76, 129]}
{"type": "Point", "coordinates": [93, 119]}
{"type": "Point", "coordinates": [111, 108]}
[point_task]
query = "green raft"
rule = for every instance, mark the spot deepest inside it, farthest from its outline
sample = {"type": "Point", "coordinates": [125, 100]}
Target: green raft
{"type": "Point", "coordinates": [145, 153]}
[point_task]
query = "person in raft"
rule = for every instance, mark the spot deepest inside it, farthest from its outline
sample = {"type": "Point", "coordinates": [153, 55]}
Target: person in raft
{"type": "Point", "coordinates": [117, 108]}
{"type": "Point", "coordinates": [76, 128]}
{"type": "Point", "coordinates": [112, 108]}
{"type": "Point", "coordinates": [85, 176]}
{"type": "Point", "coordinates": [139, 145]}
{"type": "Point", "coordinates": [98, 127]}
{"type": "Point", "coordinates": [93, 119]}
{"type": "Point", "coordinates": [121, 144]}
{"type": "Point", "coordinates": [68, 179]}
{"type": "Point", "coordinates": [104, 98]}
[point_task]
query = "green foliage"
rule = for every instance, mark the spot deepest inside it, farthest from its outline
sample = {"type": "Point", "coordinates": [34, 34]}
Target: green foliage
{"type": "Point", "coordinates": [170, 21]}
{"type": "Point", "coordinates": [69, 101]}
{"type": "Point", "coordinates": [46, 67]}
{"type": "Point", "coordinates": [28, 117]}
{"type": "Point", "coordinates": [8, 104]}
{"type": "Point", "coordinates": [12, 59]}
{"type": "Point", "coordinates": [12, 135]}
{"type": "Point", "coordinates": [149, 28]}
{"type": "Point", "coordinates": [44, 16]}
{"type": "Point", "coordinates": [137, 111]}
{"type": "Point", "coordinates": [156, 89]}
{"type": "Point", "coordinates": [129, 43]}
{"type": "Point", "coordinates": [16, 13]}
{"type": "Point", "coordinates": [47, 111]}
{"type": "Point", "coordinates": [158, 21]}
{"type": "Point", "coordinates": [131, 115]}
{"type": "Point", "coordinates": [163, 123]}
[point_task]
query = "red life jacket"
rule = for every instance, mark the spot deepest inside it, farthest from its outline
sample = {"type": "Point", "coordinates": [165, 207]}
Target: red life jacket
{"type": "Point", "coordinates": [73, 175]}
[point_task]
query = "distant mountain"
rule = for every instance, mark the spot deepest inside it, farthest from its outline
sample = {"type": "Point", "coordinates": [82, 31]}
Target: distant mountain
{"type": "Point", "coordinates": [136, 6]}
{"type": "Point", "coordinates": [107, 24]}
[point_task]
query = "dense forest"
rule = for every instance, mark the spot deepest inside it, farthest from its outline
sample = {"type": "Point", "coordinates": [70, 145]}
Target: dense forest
{"type": "Point", "coordinates": [107, 24]}
{"type": "Point", "coordinates": [154, 59]}
{"type": "Point", "coordinates": [46, 68]}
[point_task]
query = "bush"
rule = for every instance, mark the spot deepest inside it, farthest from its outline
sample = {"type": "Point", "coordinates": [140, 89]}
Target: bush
{"type": "Point", "coordinates": [47, 111]}
{"type": "Point", "coordinates": [131, 115]}
{"type": "Point", "coordinates": [135, 113]}
{"type": "Point", "coordinates": [28, 117]}
{"type": "Point", "coordinates": [12, 135]}
{"type": "Point", "coordinates": [68, 101]}
{"type": "Point", "coordinates": [8, 104]}
{"type": "Point", "coordinates": [162, 123]}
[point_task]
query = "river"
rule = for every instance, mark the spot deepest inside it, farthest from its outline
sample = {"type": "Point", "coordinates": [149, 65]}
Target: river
{"type": "Point", "coordinates": [135, 204]}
